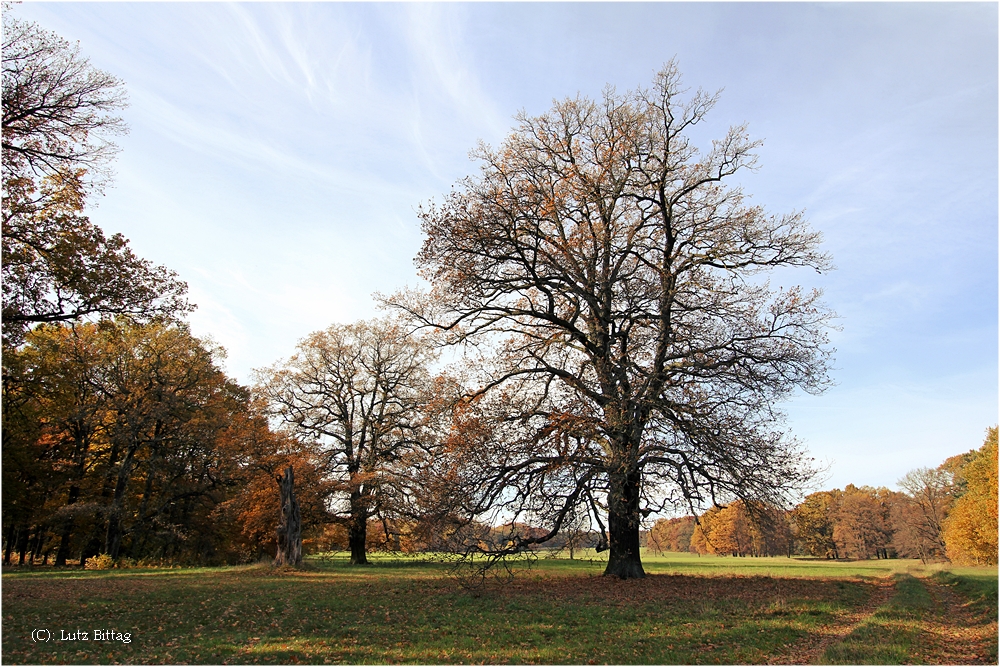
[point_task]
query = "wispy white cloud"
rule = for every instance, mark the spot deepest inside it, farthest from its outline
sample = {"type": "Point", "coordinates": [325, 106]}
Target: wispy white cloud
{"type": "Point", "coordinates": [437, 40]}
{"type": "Point", "coordinates": [247, 150]}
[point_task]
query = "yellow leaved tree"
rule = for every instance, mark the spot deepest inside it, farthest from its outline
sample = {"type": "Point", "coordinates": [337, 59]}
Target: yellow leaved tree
{"type": "Point", "coordinates": [970, 531]}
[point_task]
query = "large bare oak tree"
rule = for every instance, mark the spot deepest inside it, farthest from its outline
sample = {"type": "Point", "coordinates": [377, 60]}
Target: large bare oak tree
{"type": "Point", "coordinates": [640, 350]}
{"type": "Point", "coordinates": [356, 392]}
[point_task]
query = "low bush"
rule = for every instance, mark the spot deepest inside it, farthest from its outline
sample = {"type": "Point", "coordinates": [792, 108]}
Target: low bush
{"type": "Point", "coordinates": [99, 562]}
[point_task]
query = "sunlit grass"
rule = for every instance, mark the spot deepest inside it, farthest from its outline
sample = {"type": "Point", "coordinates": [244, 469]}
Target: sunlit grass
{"type": "Point", "coordinates": [977, 584]}
{"type": "Point", "coordinates": [777, 566]}
{"type": "Point", "coordinates": [592, 562]}
{"type": "Point", "coordinates": [888, 637]}
{"type": "Point", "coordinates": [403, 609]}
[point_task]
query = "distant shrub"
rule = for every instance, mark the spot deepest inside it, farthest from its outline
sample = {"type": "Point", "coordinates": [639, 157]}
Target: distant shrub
{"type": "Point", "coordinates": [100, 562]}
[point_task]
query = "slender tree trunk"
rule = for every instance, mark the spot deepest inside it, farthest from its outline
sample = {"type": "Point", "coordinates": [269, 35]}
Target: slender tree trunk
{"type": "Point", "coordinates": [64, 540]}
{"type": "Point", "coordinates": [113, 537]}
{"type": "Point", "coordinates": [623, 526]}
{"type": "Point", "coordinates": [81, 439]}
{"type": "Point", "coordinates": [290, 525]}
{"type": "Point", "coordinates": [142, 525]}
{"type": "Point", "coordinates": [8, 546]}
{"type": "Point", "coordinates": [39, 542]}
{"type": "Point", "coordinates": [22, 543]}
{"type": "Point", "coordinates": [113, 540]}
{"type": "Point", "coordinates": [67, 531]}
{"type": "Point", "coordinates": [93, 545]}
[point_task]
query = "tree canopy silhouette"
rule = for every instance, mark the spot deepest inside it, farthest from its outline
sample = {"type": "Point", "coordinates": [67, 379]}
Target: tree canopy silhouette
{"type": "Point", "coordinates": [639, 355]}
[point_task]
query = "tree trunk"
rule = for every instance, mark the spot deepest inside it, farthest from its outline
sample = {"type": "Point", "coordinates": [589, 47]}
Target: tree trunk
{"type": "Point", "coordinates": [8, 546]}
{"type": "Point", "coordinates": [81, 438]}
{"type": "Point", "coordinates": [290, 525]}
{"type": "Point", "coordinates": [22, 543]}
{"type": "Point", "coordinates": [623, 526]}
{"type": "Point", "coordinates": [36, 549]}
{"type": "Point", "coordinates": [67, 530]}
{"type": "Point", "coordinates": [92, 548]}
{"type": "Point", "coordinates": [113, 538]}
{"type": "Point", "coordinates": [357, 532]}
{"type": "Point", "coordinates": [143, 523]}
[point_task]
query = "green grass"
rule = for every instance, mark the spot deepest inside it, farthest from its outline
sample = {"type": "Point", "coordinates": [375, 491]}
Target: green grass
{"type": "Point", "coordinates": [687, 563]}
{"type": "Point", "coordinates": [978, 585]}
{"type": "Point", "coordinates": [891, 635]}
{"type": "Point", "coordinates": [399, 610]}
{"type": "Point", "coordinates": [914, 628]}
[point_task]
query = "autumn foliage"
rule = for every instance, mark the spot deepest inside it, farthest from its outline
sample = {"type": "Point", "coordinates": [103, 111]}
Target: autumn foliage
{"type": "Point", "coordinates": [970, 532]}
{"type": "Point", "coordinates": [946, 513]}
{"type": "Point", "coordinates": [671, 535]}
{"type": "Point", "coordinates": [126, 439]}
{"type": "Point", "coordinates": [741, 530]}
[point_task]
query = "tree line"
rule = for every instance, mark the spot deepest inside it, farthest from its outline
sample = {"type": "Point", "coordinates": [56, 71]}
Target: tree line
{"type": "Point", "coordinates": [126, 439]}
{"type": "Point", "coordinates": [620, 354]}
{"type": "Point", "coordinates": [943, 513]}
{"type": "Point", "coordinates": [121, 435]}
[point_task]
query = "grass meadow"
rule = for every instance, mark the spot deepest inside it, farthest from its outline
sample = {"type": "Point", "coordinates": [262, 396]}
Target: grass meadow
{"type": "Point", "coordinates": [689, 610]}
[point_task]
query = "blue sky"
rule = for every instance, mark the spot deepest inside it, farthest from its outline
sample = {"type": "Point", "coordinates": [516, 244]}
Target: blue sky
{"type": "Point", "coordinates": [278, 152]}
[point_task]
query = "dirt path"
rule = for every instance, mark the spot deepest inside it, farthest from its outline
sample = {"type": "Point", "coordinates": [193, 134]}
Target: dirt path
{"type": "Point", "coordinates": [956, 635]}
{"type": "Point", "coordinates": [809, 649]}
{"type": "Point", "coordinates": [951, 633]}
